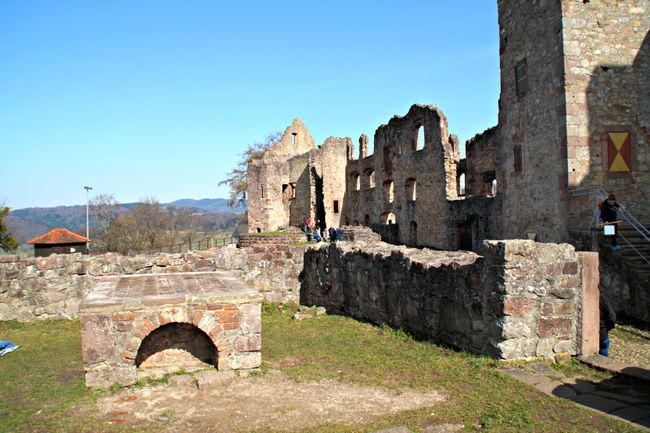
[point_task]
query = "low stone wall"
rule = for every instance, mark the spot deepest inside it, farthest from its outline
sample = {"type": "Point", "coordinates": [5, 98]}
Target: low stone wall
{"type": "Point", "coordinates": [52, 287]}
{"type": "Point", "coordinates": [521, 299]}
{"type": "Point", "coordinates": [251, 239]}
{"type": "Point", "coordinates": [273, 269]}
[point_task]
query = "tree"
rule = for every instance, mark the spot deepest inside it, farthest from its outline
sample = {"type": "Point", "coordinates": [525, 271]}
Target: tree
{"type": "Point", "coordinates": [105, 210]}
{"type": "Point", "coordinates": [147, 226]}
{"type": "Point", "coordinates": [7, 241]}
{"type": "Point", "coordinates": [237, 179]}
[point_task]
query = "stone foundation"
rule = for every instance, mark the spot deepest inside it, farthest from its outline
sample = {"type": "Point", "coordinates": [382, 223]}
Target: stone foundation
{"type": "Point", "coordinates": [126, 320]}
{"type": "Point", "coordinates": [521, 299]}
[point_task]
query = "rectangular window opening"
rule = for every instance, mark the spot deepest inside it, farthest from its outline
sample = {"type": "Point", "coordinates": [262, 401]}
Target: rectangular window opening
{"type": "Point", "coordinates": [336, 206]}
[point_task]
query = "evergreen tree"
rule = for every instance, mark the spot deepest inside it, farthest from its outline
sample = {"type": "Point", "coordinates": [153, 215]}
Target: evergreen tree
{"type": "Point", "coordinates": [7, 241]}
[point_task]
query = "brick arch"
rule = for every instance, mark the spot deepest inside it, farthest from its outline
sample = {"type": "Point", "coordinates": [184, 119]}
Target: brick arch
{"type": "Point", "coordinates": [178, 335]}
{"type": "Point", "coordinates": [208, 321]}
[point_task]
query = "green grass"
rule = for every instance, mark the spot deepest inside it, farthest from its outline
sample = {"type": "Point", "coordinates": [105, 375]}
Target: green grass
{"type": "Point", "coordinates": [479, 396]}
{"type": "Point", "coordinates": [42, 384]}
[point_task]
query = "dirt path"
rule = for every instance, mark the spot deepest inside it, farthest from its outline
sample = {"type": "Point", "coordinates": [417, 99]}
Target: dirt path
{"type": "Point", "coordinates": [272, 401]}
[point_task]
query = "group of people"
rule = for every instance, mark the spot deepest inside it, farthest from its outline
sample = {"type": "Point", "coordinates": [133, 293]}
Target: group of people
{"type": "Point", "coordinates": [318, 232]}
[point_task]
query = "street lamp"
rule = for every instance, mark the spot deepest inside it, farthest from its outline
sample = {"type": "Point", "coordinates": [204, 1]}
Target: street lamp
{"type": "Point", "coordinates": [87, 188]}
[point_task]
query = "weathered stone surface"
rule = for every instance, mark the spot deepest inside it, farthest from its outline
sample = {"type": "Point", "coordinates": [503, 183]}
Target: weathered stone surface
{"type": "Point", "coordinates": [435, 294]}
{"type": "Point", "coordinates": [210, 378]}
{"type": "Point", "coordinates": [182, 381]}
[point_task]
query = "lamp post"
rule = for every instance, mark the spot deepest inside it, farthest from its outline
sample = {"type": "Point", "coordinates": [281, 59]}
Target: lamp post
{"type": "Point", "coordinates": [87, 188]}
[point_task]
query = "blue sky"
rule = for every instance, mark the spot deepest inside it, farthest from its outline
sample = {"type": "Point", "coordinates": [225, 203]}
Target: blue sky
{"type": "Point", "coordinates": [160, 98]}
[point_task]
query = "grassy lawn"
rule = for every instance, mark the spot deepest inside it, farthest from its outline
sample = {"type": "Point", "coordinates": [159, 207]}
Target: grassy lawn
{"type": "Point", "coordinates": [43, 390]}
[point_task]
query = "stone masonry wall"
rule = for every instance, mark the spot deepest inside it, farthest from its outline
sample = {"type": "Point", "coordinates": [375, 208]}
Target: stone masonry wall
{"type": "Point", "coordinates": [52, 287]}
{"type": "Point", "coordinates": [532, 194]}
{"type": "Point", "coordinates": [521, 299]}
{"type": "Point", "coordinates": [412, 180]}
{"type": "Point", "coordinates": [607, 63]}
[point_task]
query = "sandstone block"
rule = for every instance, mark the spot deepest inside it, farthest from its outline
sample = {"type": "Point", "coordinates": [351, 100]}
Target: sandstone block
{"type": "Point", "coordinates": [247, 360]}
{"type": "Point", "coordinates": [211, 378]}
{"type": "Point", "coordinates": [249, 343]}
{"type": "Point", "coordinates": [99, 330]}
{"type": "Point", "coordinates": [558, 326]}
{"type": "Point", "coordinates": [251, 318]}
{"type": "Point", "coordinates": [514, 306]}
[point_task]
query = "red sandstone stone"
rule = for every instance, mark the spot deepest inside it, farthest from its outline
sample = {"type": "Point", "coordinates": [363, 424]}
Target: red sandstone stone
{"type": "Point", "coordinates": [557, 326]}
{"type": "Point", "coordinates": [227, 312]}
{"type": "Point", "coordinates": [123, 326]}
{"type": "Point", "coordinates": [123, 315]}
{"type": "Point", "coordinates": [230, 326]}
{"type": "Point", "coordinates": [570, 268]}
{"type": "Point", "coordinates": [547, 308]}
{"type": "Point", "coordinates": [565, 307]}
{"type": "Point", "coordinates": [518, 306]}
{"type": "Point", "coordinates": [569, 282]}
{"type": "Point", "coordinates": [228, 319]}
{"type": "Point", "coordinates": [250, 343]}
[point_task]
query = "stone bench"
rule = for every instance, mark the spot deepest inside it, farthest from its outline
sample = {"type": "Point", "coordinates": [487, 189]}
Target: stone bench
{"type": "Point", "coordinates": [126, 319]}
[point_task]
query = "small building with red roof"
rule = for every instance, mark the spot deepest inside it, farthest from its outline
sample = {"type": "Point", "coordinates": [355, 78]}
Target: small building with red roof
{"type": "Point", "coordinates": [59, 241]}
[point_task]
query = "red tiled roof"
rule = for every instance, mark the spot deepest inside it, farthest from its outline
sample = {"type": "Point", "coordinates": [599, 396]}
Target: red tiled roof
{"type": "Point", "coordinates": [59, 236]}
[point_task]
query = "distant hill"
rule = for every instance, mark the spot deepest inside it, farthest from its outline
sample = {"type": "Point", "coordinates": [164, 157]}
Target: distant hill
{"type": "Point", "coordinates": [209, 205]}
{"type": "Point", "coordinates": [28, 223]}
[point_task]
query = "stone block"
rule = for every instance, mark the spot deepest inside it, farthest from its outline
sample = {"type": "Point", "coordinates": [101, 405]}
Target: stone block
{"type": "Point", "coordinates": [557, 326]}
{"type": "Point", "coordinates": [514, 306]}
{"type": "Point", "coordinates": [98, 342]}
{"type": "Point", "coordinates": [246, 360]}
{"type": "Point", "coordinates": [182, 381]}
{"type": "Point", "coordinates": [212, 378]}
{"type": "Point", "coordinates": [249, 343]}
{"type": "Point", "coordinates": [172, 314]}
{"type": "Point", "coordinates": [251, 318]}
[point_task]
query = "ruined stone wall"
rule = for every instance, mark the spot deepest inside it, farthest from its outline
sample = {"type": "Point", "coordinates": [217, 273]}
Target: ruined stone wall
{"type": "Point", "coordinates": [52, 287]}
{"type": "Point", "coordinates": [532, 191]}
{"type": "Point", "coordinates": [333, 160]}
{"type": "Point", "coordinates": [412, 180]}
{"type": "Point", "coordinates": [607, 64]}
{"type": "Point", "coordinates": [279, 182]}
{"type": "Point", "coordinates": [480, 163]}
{"type": "Point", "coordinates": [521, 299]}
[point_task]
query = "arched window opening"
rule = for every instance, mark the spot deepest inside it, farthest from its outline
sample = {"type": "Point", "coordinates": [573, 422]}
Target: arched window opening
{"type": "Point", "coordinates": [388, 218]}
{"type": "Point", "coordinates": [370, 178]}
{"type": "Point", "coordinates": [356, 181]}
{"type": "Point", "coordinates": [173, 347]}
{"type": "Point", "coordinates": [366, 220]}
{"type": "Point", "coordinates": [461, 185]}
{"type": "Point", "coordinates": [411, 193]}
{"type": "Point", "coordinates": [418, 138]}
{"type": "Point", "coordinates": [494, 188]}
{"type": "Point", "coordinates": [389, 191]}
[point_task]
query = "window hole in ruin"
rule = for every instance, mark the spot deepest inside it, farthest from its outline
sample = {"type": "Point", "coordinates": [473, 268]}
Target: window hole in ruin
{"type": "Point", "coordinates": [464, 236]}
{"type": "Point", "coordinates": [411, 193]}
{"type": "Point", "coordinates": [366, 220]}
{"type": "Point", "coordinates": [173, 347]}
{"type": "Point", "coordinates": [389, 191]}
{"type": "Point", "coordinates": [388, 218]}
{"type": "Point", "coordinates": [258, 230]}
{"type": "Point", "coordinates": [418, 138]}
{"type": "Point", "coordinates": [370, 178]}
{"type": "Point", "coordinates": [521, 77]}
{"type": "Point", "coordinates": [335, 205]}
{"type": "Point", "coordinates": [388, 163]}
{"type": "Point", "coordinates": [356, 181]}
{"type": "Point", "coordinates": [494, 188]}
{"type": "Point", "coordinates": [461, 185]}
{"type": "Point", "coordinates": [293, 137]}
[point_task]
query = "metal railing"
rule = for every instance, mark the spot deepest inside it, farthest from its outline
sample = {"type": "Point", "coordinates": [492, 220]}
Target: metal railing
{"type": "Point", "coordinates": [600, 194]}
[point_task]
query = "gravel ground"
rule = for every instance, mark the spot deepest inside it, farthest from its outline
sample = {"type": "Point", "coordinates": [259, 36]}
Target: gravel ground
{"type": "Point", "coordinates": [630, 345]}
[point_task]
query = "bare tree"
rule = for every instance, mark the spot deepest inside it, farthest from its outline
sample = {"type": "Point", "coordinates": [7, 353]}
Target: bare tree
{"type": "Point", "coordinates": [105, 210]}
{"type": "Point", "coordinates": [237, 179]}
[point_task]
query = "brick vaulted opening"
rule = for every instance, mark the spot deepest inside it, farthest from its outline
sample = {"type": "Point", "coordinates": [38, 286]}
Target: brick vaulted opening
{"type": "Point", "coordinates": [175, 346]}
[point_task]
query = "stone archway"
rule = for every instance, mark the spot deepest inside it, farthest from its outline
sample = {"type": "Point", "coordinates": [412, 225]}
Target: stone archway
{"type": "Point", "coordinates": [173, 347]}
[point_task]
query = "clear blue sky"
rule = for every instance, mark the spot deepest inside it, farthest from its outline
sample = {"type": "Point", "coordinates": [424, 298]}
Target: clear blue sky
{"type": "Point", "coordinates": [160, 98]}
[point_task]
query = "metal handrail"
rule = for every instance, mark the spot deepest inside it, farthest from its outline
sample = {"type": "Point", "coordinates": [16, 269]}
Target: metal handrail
{"type": "Point", "coordinates": [599, 193]}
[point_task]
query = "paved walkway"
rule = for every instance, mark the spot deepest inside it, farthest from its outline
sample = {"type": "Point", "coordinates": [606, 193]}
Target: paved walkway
{"type": "Point", "coordinates": [605, 396]}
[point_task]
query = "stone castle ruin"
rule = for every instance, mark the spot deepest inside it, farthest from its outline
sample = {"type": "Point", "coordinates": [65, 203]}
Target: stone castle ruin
{"type": "Point", "coordinates": [574, 114]}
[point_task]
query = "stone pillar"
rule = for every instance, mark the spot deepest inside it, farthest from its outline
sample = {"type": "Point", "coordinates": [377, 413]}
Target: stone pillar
{"type": "Point", "coordinates": [363, 146]}
{"type": "Point", "coordinates": [589, 339]}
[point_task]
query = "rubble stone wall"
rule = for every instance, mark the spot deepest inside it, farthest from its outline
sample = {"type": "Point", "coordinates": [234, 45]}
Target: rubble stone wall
{"type": "Point", "coordinates": [52, 287]}
{"type": "Point", "coordinates": [520, 299]}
